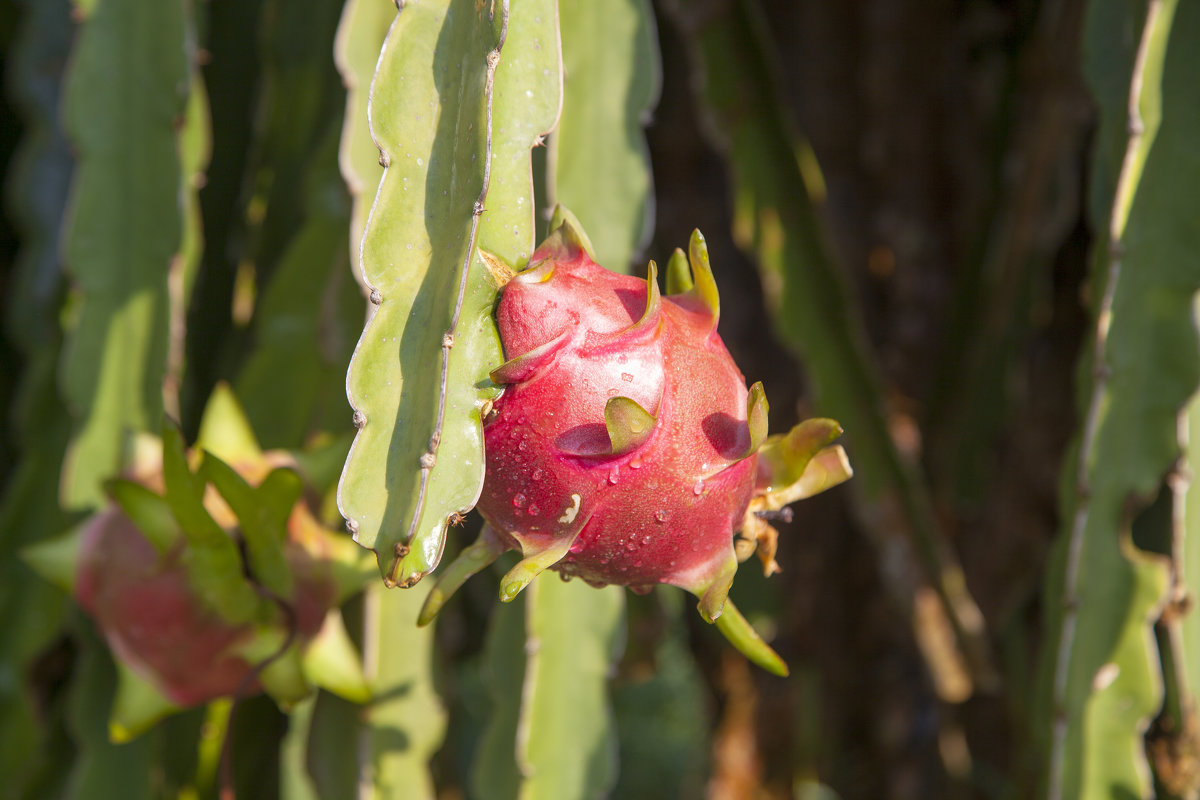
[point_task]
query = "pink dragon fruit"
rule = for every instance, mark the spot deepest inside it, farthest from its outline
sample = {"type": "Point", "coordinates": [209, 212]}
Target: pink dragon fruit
{"type": "Point", "coordinates": [625, 446]}
{"type": "Point", "coordinates": [214, 580]}
{"type": "Point", "coordinates": [144, 604]}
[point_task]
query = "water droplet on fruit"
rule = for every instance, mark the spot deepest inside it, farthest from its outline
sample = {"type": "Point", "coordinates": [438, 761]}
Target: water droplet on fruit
{"type": "Point", "coordinates": [518, 500]}
{"type": "Point", "coordinates": [661, 516]}
{"type": "Point", "coordinates": [625, 376]}
{"type": "Point", "coordinates": [533, 509]}
{"type": "Point", "coordinates": [636, 463]}
{"type": "Point", "coordinates": [646, 539]}
{"type": "Point", "coordinates": [537, 475]}
{"type": "Point", "coordinates": [614, 475]}
{"type": "Point", "coordinates": [698, 487]}
{"type": "Point", "coordinates": [523, 445]}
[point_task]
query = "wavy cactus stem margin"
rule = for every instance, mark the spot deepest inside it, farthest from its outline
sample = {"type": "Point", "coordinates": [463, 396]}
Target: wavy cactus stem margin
{"type": "Point", "coordinates": [626, 449]}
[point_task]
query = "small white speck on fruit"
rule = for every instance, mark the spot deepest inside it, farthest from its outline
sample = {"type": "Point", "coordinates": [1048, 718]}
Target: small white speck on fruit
{"type": "Point", "coordinates": [571, 511]}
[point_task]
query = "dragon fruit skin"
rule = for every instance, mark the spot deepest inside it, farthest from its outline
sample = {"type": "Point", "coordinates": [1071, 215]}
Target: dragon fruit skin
{"type": "Point", "coordinates": [625, 494]}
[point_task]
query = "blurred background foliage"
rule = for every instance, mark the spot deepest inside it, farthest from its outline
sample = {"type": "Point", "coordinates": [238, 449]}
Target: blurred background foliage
{"type": "Point", "coordinates": [968, 230]}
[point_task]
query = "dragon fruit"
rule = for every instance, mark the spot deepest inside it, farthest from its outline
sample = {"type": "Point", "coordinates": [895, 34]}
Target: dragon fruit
{"type": "Point", "coordinates": [213, 582]}
{"type": "Point", "coordinates": [626, 448]}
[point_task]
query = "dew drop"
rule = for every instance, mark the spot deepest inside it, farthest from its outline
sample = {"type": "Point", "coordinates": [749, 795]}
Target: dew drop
{"type": "Point", "coordinates": [533, 509]}
{"type": "Point", "coordinates": [661, 516]}
{"type": "Point", "coordinates": [537, 475]}
{"type": "Point", "coordinates": [614, 475]}
{"type": "Point", "coordinates": [518, 500]}
{"type": "Point", "coordinates": [625, 376]}
{"type": "Point", "coordinates": [636, 463]}
{"type": "Point", "coordinates": [522, 445]}
{"type": "Point", "coordinates": [646, 539]}
{"type": "Point", "coordinates": [698, 487]}
{"type": "Point", "coordinates": [631, 545]}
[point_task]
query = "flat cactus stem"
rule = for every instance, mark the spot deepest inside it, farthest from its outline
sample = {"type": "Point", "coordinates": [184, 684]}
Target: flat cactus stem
{"type": "Point", "coordinates": [1102, 679]}
{"type": "Point", "coordinates": [475, 557]}
{"type": "Point", "coordinates": [126, 227]}
{"type": "Point", "coordinates": [679, 274]}
{"type": "Point", "coordinates": [360, 37]}
{"type": "Point", "coordinates": [574, 635]}
{"type": "Point", "coordinates": [401, 399]}
{"type": "Point", "coordinates": [599, 163]}
{"type": "Point", "coordinates": [494, 770]}
{"type": "Point", "coordinates": [398, 659]}
{"type": "Point", "coordinates": [629, 425]}
{"type": "Point", "coordinates": [741, 634]}
{"type": "Point", "coordinates": [414, 420]}
{"type": "Point", "coordinates": [332, 662]}
{"type": "Point", "coordinates": [306, 319]}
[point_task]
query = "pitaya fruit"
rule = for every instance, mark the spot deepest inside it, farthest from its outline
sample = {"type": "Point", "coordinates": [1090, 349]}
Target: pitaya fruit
{"type": "Point", "coordinates": [211, 583]}
{"type": "Point", "coordinates": [625, 446]}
